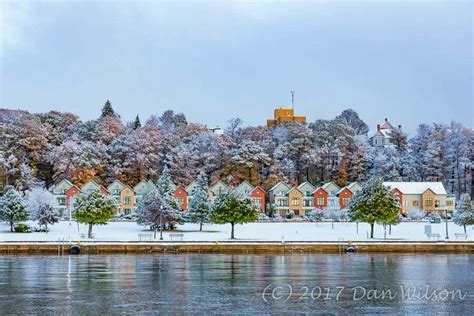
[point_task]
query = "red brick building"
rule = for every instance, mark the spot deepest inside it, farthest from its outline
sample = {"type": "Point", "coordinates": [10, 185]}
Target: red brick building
{"type": "Point", "coordinates": [258, 196]}
{"type": "Point", "coordinates": [321, 198]}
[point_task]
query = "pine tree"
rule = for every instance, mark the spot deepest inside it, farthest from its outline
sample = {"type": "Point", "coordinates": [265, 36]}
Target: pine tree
{"type": "Point", "coordinates": [464, 214]}
{"type": "Point", "coordinates": [166, 190]}
{"type": "Point", "coordinates": [107, 110]}
{"type": "Point", "coordinates": [374, 203]}
{"type": "Point", "coordinates": [93, 208]}
{"type": "Point", "coordinates": [200, 206]}
{"type": "Point", "coordinates": [136, 123]}
{"type": "Point", "coordinates": [229, 208]}
{"type": "Point", "coordinates": [12, 207]}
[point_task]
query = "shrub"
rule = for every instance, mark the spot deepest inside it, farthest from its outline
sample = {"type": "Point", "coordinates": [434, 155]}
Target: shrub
{"type": "Point", "coordinates": [22, 228]}
{"type": "Point", "coordinates": [315, 215]}
{"type": "Point", "coordinates": [290, 215]}
{"type": "Point", "coordinates": [415, 214]}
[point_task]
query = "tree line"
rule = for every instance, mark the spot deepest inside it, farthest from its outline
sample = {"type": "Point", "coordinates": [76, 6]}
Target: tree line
{"type": "Point", "coordinates": [38, 149]}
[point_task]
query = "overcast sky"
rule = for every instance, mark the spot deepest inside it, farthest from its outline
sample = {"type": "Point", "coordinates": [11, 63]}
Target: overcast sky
{"type": "Point", "coordinates": [410, 61]}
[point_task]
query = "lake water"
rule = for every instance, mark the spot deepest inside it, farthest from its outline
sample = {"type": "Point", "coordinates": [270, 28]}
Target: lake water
{"type": "Point", "coordinates": [245, 284]}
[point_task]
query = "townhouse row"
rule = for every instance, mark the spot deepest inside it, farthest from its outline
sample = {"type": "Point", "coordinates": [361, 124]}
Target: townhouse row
{"type": "Point", "coordinates": [430, 197]}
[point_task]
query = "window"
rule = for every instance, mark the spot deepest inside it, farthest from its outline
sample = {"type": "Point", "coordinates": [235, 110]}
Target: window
{"type": "Point", "coordinates": [345, 201]}
{"type": "Point", "coordinates": [295, 201]}
{"type": "Point", "coordinates": [246, 192]}
{"type": "Point", "coordinates": [308, 193]}
{"type": "Point", "coordinates": [415, 203]}
{"type": "Point", "coordinates": [258, 201]}
{"type": "Point", "coordinates": [429, 202]}
{"type": "Point", "coordinates": [116, 191]}
{"type": "Point", "coordinates": [282, 202]}
{"type": "Point", "coordinates": [437, 203]}
{"type": "Point", "coordinates": [127, 211]}
{"type": "Point", "coordinates": [449, 203]}
{"type": "Point", "coordinates": [180, 200]}
{"type": "Point", "coordinates": [282, 192]}
{"type": "Point", "coordinates": [127, 200]}
{"type": "Point", "coordinates": [308, 203]}
{"type": "Point", "coordinates": [61, 201]}
{"type": "Point", "coordinates": [63, 191]}
{"type": "Point", "coordinates": [320, 201]}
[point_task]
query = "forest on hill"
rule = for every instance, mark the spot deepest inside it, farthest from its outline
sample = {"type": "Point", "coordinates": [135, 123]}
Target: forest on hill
{"type": "Point", "coordinates": [38, 149]}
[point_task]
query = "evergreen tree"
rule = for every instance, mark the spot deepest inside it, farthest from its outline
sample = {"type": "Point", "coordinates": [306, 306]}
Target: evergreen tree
{"type": "Point", "coordinates": [200, 206]}
{"type": "Point", "coordinates": [150, 210]}
{"type": "Point", "coordinates": [12, 207]}
{"type": "Point", "coordinates": [136, 123]}
{"type": "Point", "coordinates": [107, 110]}
{"type": "Point", "coordinates": [464, 214]}
{"type": "Point", "coordinates": [374, 203]}
{"type": "Point", "coordinates": [229, 208]}
{"type": "Point", "coordinates": [93, 208]}
{"type": "Point", "coordinates": [166, 190]}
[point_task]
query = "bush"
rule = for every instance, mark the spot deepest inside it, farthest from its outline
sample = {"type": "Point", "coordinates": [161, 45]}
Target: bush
{"type": "Point", "coordinates": [22, 228]}
{"type": "Point", "coordinates": [315, 215]}
{"type": "Point", "coordinates": [290, 215]}
{"type": "Point", "coordinates": [415, 214]}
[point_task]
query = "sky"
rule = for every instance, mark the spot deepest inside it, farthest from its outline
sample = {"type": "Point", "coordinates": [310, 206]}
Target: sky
{"type": "Point", "coordinates": [408, 61]}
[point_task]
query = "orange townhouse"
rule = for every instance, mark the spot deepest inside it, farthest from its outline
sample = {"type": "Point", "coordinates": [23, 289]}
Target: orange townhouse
{"type": "Point", "coordinates": [70, 194]}
{"type": "Point", "coordinates": [181, 197]}
{"type": "Point", "coordinates": [258, 196]}
{"type": "Point", "coordinates": [321, 198]}
{"type": "Point", "coordinates": [346, 193]}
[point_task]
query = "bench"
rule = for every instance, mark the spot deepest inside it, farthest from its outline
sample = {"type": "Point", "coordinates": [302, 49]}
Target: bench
{"type": "Point", "coordinates": [460, 235]}
{"type": "Point", "coordinates": [434, 235]}
{"type": "Point", "coordinates": [145, 236]}
{"type": "Point", "coordinates": [176, 236]}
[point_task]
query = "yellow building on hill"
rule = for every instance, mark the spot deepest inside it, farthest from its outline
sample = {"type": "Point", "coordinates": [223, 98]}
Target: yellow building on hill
{"type": "Point", "coordinates": [285, 115]}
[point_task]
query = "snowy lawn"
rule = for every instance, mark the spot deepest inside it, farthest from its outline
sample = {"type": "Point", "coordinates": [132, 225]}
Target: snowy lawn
{"type": "Point", "coordinates": [301, 231]}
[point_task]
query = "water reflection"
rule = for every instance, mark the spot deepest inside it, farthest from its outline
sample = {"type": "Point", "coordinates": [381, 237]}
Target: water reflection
{"type": "Point", "coordinates": [226, 283]}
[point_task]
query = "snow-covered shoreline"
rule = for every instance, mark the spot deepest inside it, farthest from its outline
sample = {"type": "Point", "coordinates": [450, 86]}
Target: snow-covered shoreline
{"type": "Point", "coordinates": [252, 232]}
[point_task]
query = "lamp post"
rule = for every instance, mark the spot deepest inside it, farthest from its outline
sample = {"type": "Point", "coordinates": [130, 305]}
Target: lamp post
{"type": "Point", "coordinates": [161, 222]}
{"type": "Point", "coordinates": [446, 218]}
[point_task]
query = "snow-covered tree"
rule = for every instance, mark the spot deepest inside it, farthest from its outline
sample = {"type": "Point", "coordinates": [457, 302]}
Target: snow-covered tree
{"type": "Point", "coordinates": [12, 207]}
{"type": "Point", "coordinates": [170, 207]}
{"type": "Point", "coordinates": [94, 208]}
{"type": "Point", "coordinates": [41, 207]}
{"type": "Point", "coordinates": [374, 203]}
{"type": "Point", "coordinates": [200, 205]}
{"type": "Point", "coordinates": [464, 214]}
{"type": "Point", "coordinates": [231, 209]}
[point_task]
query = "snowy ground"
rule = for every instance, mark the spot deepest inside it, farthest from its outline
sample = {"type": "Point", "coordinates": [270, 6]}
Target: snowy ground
{"type": "Point", "coordinates": [301, 231]}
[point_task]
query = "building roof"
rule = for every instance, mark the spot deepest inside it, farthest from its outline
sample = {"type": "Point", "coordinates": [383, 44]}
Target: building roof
{"type": "Point", "coordinates": [245, 182]}
{"type": "Point", "coordinates": [281, 182]}
{"type": "Point", "coordinates": [386, 125]}
{"type": "Point", "coordinates": [306, 183]}
{"type": "Point", "coordinates": [416, 187]}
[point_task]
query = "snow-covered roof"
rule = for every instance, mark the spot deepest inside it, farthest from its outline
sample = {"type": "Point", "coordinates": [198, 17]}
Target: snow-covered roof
{"type": "Point", "coordinates": [386, 125]}
{"type": "Point", "coordinates": [115, 183]}
{"type": "Point", "coordinates": [416, 187]}
{"type": "Point", "coordinates": [258, 187]}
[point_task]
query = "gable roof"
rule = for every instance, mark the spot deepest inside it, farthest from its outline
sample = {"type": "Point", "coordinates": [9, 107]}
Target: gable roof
{"type": "Point", "coordinates": [281, 182]}
{"type": "Point", "coordinates": [95, 184]}
{"type": "Point", "coordinates": [217, 185]}
{"type": "Point", "coordinates": [328, 184]}
{"type": "Point", "coordinates": [300, 187]}
{"type": "Point", "coordinates": [293, 189]}
{"type": "Point", "coordinates": [353, 186]}
{"type": "Point", "coordinates": [386, 125]}
{"type": "Point", "coordinates": [66, 181]}
{"type": "Point", "coordinates": [416, 187]}
{"type": "Point", "coordinates": [116, 181]}
{"type": "Point", "coordinates": [258, 187]}
{"type": "Point", "coordinates": [245, 182]}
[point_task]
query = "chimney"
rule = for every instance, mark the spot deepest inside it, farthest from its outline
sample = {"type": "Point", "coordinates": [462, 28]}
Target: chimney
{"type": "Point", "coordinates": [378, 127]}
{"type": "Point", "coordinates": [386, 120]}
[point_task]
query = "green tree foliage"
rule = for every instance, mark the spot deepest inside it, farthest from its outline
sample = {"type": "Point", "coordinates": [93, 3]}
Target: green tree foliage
{"type": "Point", "coordinates": [137, 123]}
{"type": "Point", "coordinates": [12, 207]}
{"type": "Point", "coordinates": [200, 206]}
{"type": "Point", "coordinates": [464, 214]}
{"type": "Point", "coordinates": [108, 110]}
{"type": "Point", "coordinates": [229, 208]}
{"type": "Point", "coordinates": [374, 203]}
{"type": "Point", "coordinates": [93, 208]}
